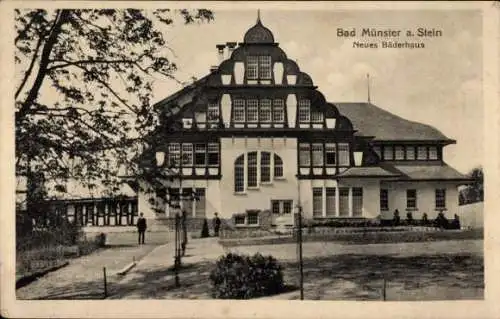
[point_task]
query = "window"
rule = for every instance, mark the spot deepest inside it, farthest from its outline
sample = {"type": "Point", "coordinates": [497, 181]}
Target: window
{"type": "Point", "coordinates": [278, 111]}
{"type": "Point", "coordinates": [252, 67]}
{"type": "Point", "coordinates": [279, 207]}
{"type": "Point", "coordinates": [440, 198]}
{"type": "Point", "coordinates": [213, 154]}
{"type": "Point", "coordinates": [388, 155]}
{"type": "Point", "coordinates": [213, 113]}
{"type": "Point", "coordinates": [252, 169]}
{"type": "Point", "coordinates": [275, 207]}
{"type": "Point", "coordinates": [330, 201]}
{"type": "Point", "coordinates": [399, 153]}
{"type": "Point", "coordinates": [384, 199]}
{"type": "Point", "coordinates": [377, 151]}
{"type": "Point", "coordinates": [200, 202]}
{"type": "Point", "coordinates": [411, 198]}
{"type": "Point", "coordinates": [304, 155]}
{"type": "Point", "coordinates": [344, 155]}
{"type": "Point", "coordinates": [317, 117]}
{"type": "Point", "coordinates": [317, 201]}
{"type": "Point", "coordinates": [258, 67]}
{"type": "Point", "coordinates": [331, 154]}
{"type": "Point", "coordinates": [304, 111]}
{"type": "Point", "coordinates": [265, 111]}
{"type": "Point", "coordinates": [200, 156]}
{"type": "Point", "coordinates": [433, 155]}
{"type": "Point", "coordinates": [239, 174]}
{"type": "Point", "coordinates": [410, 153]}
{"type": "Point", "coordinates": [265, 167]}
{"type": "Point", "coordinates": [174, 154]}
{"type": "Point", "coordinates": [187, 201]}
{"type": "Point", "coordinates": [343, 201]}
{"type": "Point", "coordinates": [265, 67]}
{"type": "Point", "coordinates": [287, 207]}
{"type": "Point", "coordinates": [357, 201]}
{"type": "Point", "coordinates": [317, 154]}
{"type": "Point", "coordinates": [239, 220]}
{"type": "Point", "coordinates": [253, 218]}
{"type": "Point", "coordinates": [421, 153]}
{"type": "Point", "coordinates": [239, 111]}
{"type": "Point", "coordinates": [187, 154]}
{"type": "Point", "coordinates": [253, 111]}
{"type": "Point", "coordinates": [278, 166]}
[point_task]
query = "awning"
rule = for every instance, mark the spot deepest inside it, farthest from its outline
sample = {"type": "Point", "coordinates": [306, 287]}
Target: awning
{"type": "Point", "coordinates": [368, 171]}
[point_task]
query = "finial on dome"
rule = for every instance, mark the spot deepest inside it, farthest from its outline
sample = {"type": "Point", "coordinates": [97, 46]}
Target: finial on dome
{"type": "Point", "coordinates": [258, 16]}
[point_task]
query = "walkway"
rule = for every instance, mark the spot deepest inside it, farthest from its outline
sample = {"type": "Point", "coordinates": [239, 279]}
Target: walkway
{"type": "Point", "coordinates": [154, 277]}
{"type": "Point", "coordinates": [83, 277]}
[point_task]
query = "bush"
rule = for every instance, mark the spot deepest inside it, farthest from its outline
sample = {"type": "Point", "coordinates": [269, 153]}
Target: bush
{"type": "Point", "coordinates": [204, 229]}
{"type": "Point", "coordinates": [409, 218]}
{"type": "Point", "coordinates": [100, 240]}
{"type": "Point", "coordinates": [243, 277]}
{"type": "Point", "coordinates": [441, 221]}
{"type": "Point", "coordinates": [396, 219]}
{"type": "Point", "coordinates": [425, 220]}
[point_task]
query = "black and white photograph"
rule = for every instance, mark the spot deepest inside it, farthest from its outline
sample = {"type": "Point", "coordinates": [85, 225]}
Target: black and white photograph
{"type": "Point", "coordinates": [206, 152]}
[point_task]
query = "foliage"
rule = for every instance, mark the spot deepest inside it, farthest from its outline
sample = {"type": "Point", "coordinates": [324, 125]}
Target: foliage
{"type": "Point", "coordinates": [204, 231]}
{"type": "Point", "coordinates": [243, 277]}
{"type": "Point", "coordinates": [474, 192]}
{"type": "Point", "coordinates": [409, 218]}
{"type": "Point", "coordinates": [396, 220]}
{"type": "Point", "coordinates": [425, 220]}
{"type": "Point", "coordinates": [84, 84]}
{"type": "Point", "coordinates": [441, 221]}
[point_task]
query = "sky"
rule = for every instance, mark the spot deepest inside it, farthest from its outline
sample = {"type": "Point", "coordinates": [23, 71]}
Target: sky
{"type": "Point", "coordinates": [439, 85]}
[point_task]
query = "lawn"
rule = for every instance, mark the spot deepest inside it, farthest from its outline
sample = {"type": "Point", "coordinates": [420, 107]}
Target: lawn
{"type": "Point", "coordinates": [413, 271]}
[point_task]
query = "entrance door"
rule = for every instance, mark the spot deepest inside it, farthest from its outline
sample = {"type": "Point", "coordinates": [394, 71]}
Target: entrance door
{"type": "Point", "coordinates": [282, 211]}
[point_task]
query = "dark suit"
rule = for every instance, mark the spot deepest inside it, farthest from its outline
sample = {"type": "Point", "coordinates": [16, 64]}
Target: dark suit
{"type": "Point", "coordinates": [141, 228]}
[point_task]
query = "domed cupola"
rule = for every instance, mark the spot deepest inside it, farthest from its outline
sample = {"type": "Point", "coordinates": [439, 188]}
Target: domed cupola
{"type": "Point", "coordinates": [258, 33]}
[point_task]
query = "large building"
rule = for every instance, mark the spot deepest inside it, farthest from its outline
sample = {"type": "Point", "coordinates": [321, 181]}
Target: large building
{"type": "Point", "coordinates": [256, 135]}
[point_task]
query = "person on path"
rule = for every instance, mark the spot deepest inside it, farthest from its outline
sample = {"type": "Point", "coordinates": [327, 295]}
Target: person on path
{"type": "Point", "coordinates": [216, 222]}
{"type": "Point", "coordinates": [141, 228]}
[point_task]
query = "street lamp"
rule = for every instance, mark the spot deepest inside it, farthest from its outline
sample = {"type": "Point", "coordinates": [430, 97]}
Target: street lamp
{"type": "Point", "coordinates": [299, 246]}
{"type": "Point", "coordinates": [160, 160]}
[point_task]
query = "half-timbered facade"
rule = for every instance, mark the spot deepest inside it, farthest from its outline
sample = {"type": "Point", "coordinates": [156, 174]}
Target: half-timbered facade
{"type": "Point", "coordinates": [256, 134]}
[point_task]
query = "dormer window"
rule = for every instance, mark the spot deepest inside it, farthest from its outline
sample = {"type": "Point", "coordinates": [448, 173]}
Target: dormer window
{"type": "Point", "coordinates": [304, 111]}
{"type": "Point", "coordinates": [258, 67]}
{"type": "Point", "coordinates": [213, 113]}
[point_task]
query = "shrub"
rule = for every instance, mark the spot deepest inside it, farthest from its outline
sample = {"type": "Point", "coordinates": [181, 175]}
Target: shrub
{"type": "Point", "coordinates": [100, 240]}
{"type": "Point", "coordinates": [455, 223]}
{"type": "Point", "coordinates": [396, 219]}
{"type": "Point", "coordinates": [425, 220]}
{"type": "Point", "coordinates": [409, 218]}
{"type": "Point", "coordinates": [204, 229]}
{"type": "Point", "coordinates": [441, 221]}
{"type": "Point", "coordinates": [243, 277]}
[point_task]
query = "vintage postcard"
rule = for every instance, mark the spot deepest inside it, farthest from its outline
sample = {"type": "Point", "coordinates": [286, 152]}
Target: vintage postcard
{"type": "Point", "coordinates": [250, 159]}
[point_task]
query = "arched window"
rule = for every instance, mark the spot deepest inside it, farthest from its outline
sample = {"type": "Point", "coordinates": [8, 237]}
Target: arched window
{"type": "Point", "coordinates": [239, 174]}
{"type": "Point", "coordinates": [278, 166]}
{"type": "Point", "coordinates": [265, 167]}
{"type": "Point", "coordinates": [252, 168]}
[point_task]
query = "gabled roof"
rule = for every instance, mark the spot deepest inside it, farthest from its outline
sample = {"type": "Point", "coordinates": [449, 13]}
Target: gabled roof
{"type": "Point", "coordinates": [370, 120]}
{"type": "Point", "coordinates": [368, 171]}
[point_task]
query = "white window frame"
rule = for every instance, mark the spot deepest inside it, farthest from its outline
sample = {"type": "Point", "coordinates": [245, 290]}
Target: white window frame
{"type": "Point", "coordinates": [187, 149]}
{"type": "Point", "coordinates": [200, 148]}
{"type": "Point", "coordinates": [213, 112]}
{"type": "Point", "coordinates": [252, 67]}
{"type": "Point", "coordinates": [384, 199]}
{"type": "Point", "coordinates": [265, 165]}
{"type": "Point", "coordinates": [252, 111]}
{"type": "Point", "coordinates": [388, 153]}
{"type": "Point", "coordinates": [433, 153]}
{"type": "Point", "coordinates": [399, 153]}
{"type": "Point", "coordinates": [304, 160]}
{"type": "Point", "coordinates": [278, 115]}
{"type": "Point", "coordinates": [304, 111]}
{"type": "Point", "coordinates": [317, 154]}
{"type": "Point", "coordinates": [265, 67]}
{"type": "Point", "coordinates": [330, 148]}
{"type": "Point", "coordinates": [265, 111]}
{"type": "Point", "coordinates": [174, 154]}
{"type": "Point", "coordinates": [213, 148]}
{"type": "Point", "coordinates": [239, 179]}
{"type": "Point", "coordinates": [317, 207]}
{"type": "Point", "coordinates": [422, 153]}
{"type": "Point", "coordinates": [251, 169]}
{"type": "Point", "coordinates": [410, 153]}
{"type": "Point", "coordinates": [239, 115]}
{"type": "Point", "coordinates": [409, 199]}
{"type": "Point", "coordinates": [343, 154]}
{"type": "Point", "coordinates": [440, 195]}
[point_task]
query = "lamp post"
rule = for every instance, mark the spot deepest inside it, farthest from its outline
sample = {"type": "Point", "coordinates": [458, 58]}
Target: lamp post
{"type": "Point", "coordinates": [299, 247]}
{"type": "Point", "coordinates": [160, 159]}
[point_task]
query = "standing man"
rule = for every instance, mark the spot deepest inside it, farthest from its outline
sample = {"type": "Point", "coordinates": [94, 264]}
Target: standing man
{"type": "Point", "coordinates": [141, 228]}
{"type": "Point", "coordinates": [216, 223]}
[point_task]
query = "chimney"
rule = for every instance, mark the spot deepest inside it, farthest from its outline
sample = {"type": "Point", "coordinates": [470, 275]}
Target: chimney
{"type": "Point", "coordinates": [230, 48]}
{"type": "Point", "coordinates": [220, 50]}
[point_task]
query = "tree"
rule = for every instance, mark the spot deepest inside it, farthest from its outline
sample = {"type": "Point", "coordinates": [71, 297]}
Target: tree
{"type": "Point", "coordinates": [474, 192]}
{"type": "Point", "coordinates": [84, 82]}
